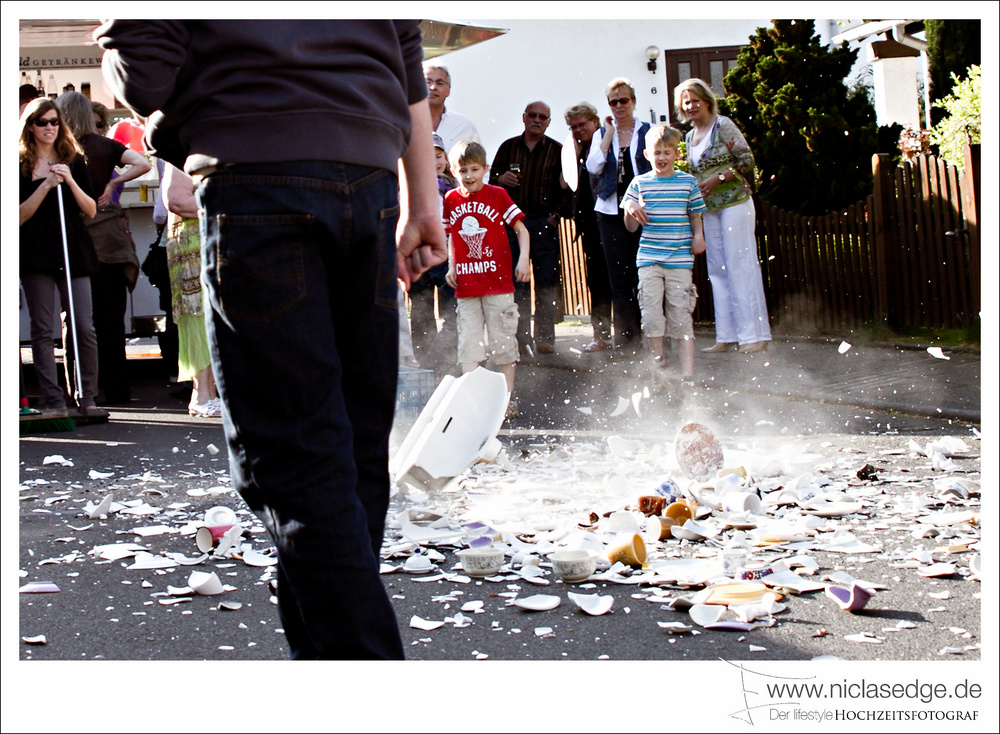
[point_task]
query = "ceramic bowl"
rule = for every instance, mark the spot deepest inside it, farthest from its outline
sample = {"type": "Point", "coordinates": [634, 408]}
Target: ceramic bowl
{"type": "Point", "coordinates": [573, 566]}
{"type": "Point", "coordinates": [481, 562]}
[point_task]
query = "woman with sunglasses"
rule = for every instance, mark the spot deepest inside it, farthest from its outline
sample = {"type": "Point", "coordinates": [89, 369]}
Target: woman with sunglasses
{"type": "Point", "coordinates": [118, 271]}
{"type": "Point", "coordinates": [616, 160]}
{"type": "Point", "coordinates": [49, 156]}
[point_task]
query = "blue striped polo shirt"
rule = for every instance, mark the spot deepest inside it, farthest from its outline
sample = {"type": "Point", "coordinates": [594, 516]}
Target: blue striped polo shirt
{"type": "Point", "coordinates": [666, 240]}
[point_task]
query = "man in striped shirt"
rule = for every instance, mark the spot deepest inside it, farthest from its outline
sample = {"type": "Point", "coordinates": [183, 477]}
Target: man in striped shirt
{"type": "Point", "coordinates": [667, 204]}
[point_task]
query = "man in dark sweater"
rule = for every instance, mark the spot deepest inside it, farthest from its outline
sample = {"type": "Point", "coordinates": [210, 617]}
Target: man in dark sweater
{"type": "Point", "coordinates": [297, 131]}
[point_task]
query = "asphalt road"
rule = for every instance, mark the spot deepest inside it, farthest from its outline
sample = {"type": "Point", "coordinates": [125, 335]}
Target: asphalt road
{"type": "Point", "coordinates": [154, 455]}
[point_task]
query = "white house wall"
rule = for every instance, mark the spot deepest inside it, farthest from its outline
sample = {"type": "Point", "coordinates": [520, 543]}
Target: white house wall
{"type": "Point", "coordinates": [563, 62]}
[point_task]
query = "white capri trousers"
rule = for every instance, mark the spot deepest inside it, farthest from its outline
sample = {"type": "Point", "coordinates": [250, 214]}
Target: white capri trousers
{"type": "Point", "coordinates": [734, 271]}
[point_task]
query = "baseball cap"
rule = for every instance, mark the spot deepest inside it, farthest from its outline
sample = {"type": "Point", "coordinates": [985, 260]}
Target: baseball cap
{"type": "Point", "coordinates": [438, 142]}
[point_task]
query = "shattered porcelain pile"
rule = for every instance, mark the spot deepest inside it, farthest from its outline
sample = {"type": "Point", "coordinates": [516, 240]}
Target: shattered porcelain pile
{"type": "Point", "coordinates": [211, 542]}
{"type": "Point", "coordinates": [751, 537]}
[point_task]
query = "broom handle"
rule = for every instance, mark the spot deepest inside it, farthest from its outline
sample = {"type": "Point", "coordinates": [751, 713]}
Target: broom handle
{"type": "Point", "coordinates": [78, 391]}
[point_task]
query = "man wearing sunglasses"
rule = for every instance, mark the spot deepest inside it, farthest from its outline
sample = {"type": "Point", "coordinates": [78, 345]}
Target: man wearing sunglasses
{"type": "Point", "coordinates": [529, 166]}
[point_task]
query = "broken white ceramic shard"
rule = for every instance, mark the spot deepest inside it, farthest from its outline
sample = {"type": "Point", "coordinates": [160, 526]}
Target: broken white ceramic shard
{"type": "Point", "coordinates": [116, 551]}
{"type": "Point", "coordinates": [624, 447]}
{"type": "Point", "coordinates": [850, 599]}
{"type": "Point", "coordinates": [537, 603]}
{"type": "Point", "coordinates": [937, 569]}
{"type": "Point", "coordinates": [459, 423]}
{"type": "Point", "coordinates": [704, 614]}
{"type": "Point", "coordinates": [229, 606]}
{"type": "Point", "coordinates": [543, 632]}
{"type": "Point", "coordinates": [38, 587]}
{"type": "Point", "coordinates": [94, 474]}
{"type": "Point", "coordinates": [622, 407]}
{"type": "Point", "coordinates": [937, 352]}
{"type": "Point", "coordinates": [976, 567]}
{"type": "Point", "coordinates": [205, 583]}
{"type": "Point", "coordinates": [675, 626]}
{"type": "Point", "coordinates": [844, 346]}
{"type": "Point", "coordinates": [823, 508]}
{"type": "Point", "coordinates": [95, 511]}
{"type": "Point", "coordinates": [592, 603]}
{"type": "Point", "coordinates": [863, 637]}
{"type": "Point", "coordinates": [424, 624]}
{"type": "Point", "coordinates": [768, 606]}
{"type": "Point", "coordinates": [35, 640]}
{"type": "Point", "coordinates": [56, 459]}
{"type": "Point", "coordinates": [472, 606]}
{"type": "Point", "coordinates": [185, 560]}
{"type": "Point", "coordinates": [586, 410]}
{"type": "Point", "coordinates": [256, 558]}
{"type": "Point", "coordinates": [229, 539]}
{"type": "Point", "coordinates": [148, 561]}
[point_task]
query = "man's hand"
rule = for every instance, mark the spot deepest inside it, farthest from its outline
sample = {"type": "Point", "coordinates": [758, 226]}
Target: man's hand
{"type": "Point", "coordinates": [419, 245]}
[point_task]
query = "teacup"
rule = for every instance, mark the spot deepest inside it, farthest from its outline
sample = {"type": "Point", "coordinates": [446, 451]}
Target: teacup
{"type": "Point", "coordinates": [679, 511]}
{"type": "Point", "coordinates": [739, 502]}
{"type": "Point", "coordinates": [658, 528]}
{"type": "Point", "coordinates": [629, 548]}
{"type": "Point", "coordinates": [481, 562]}
{"type": "Point", "coordinates": [573, 566]}
{"type": "Point", "coordinates": [652, 504]}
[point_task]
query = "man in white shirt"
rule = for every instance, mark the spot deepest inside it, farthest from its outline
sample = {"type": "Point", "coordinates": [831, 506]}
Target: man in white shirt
{"type": "Point", "coordinates": [451, 126]}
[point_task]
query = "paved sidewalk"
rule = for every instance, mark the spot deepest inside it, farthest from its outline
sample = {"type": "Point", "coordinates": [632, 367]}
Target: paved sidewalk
{"type": "Point", "coordinates": [888, 377]}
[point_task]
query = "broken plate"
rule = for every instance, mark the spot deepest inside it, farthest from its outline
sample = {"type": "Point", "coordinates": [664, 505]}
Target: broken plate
{"type": "Point", "coordinates": [705, 614]}
{"type": "Point", "coordinates": [698, 451]}
{"type": "Point", "coordinates": [537, 603]}
{"type": "Point", "coordinates": [592, 603]}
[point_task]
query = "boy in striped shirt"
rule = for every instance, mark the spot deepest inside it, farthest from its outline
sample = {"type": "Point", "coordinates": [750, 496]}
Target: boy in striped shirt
{"type": "Point", "coordinates": [667, 204]}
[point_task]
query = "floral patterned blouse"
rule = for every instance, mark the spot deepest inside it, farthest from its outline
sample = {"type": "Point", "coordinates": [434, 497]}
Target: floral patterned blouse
{"type": "Point", "coordinates": [727, 150]}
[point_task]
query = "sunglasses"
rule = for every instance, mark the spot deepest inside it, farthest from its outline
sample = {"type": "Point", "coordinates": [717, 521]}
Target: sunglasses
{"type": "Point", "coordinates": [54, 122]}
{"type": "Point", "coordinates": [99, 125]}
{"type": "Point", "coordinates": [537, 115]}
{"type": "Point", "coordinates": [621, 101]}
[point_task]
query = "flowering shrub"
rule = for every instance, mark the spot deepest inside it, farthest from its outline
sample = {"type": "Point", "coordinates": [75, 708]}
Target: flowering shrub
{"type": "Point", "coordinates": [913, 142]}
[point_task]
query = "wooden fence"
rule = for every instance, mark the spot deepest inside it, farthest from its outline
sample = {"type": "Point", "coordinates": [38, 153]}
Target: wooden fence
{"type": "Point", "coordinates": [908, 255]}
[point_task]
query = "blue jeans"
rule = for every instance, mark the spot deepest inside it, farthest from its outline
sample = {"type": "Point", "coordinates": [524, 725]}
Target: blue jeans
{"type": "Point", "coordinates": [299, 264]}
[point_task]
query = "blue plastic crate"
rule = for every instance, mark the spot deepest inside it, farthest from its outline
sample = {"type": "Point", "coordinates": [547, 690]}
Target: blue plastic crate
{"type": "Point", "coordinates": [414, 388]}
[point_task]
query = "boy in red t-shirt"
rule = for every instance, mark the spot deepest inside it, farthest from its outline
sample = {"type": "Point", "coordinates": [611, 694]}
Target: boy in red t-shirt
{"type": "Point", "coordinates": [479, 264]}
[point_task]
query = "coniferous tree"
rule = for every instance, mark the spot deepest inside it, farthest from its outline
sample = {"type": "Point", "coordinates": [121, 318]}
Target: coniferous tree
{"type": "Point", "coordinates": [952, 47]}
{"type": "Point", "coordinates": [812, 136]}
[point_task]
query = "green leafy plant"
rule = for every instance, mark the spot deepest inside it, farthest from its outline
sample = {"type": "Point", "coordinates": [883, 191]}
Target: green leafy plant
{"type": "Point", "coordinates": [963, 124]}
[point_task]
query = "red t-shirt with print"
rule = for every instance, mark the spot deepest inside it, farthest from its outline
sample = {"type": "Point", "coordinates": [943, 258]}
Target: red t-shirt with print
{"type": "Point", "coordinates": [479, 244]}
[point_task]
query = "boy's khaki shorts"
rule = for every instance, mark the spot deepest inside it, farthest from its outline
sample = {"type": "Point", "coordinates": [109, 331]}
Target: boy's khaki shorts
{"type": "Point", "coordinates": [498, 316]}
{"type": "Point", "coordinates": [681, 295]}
